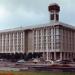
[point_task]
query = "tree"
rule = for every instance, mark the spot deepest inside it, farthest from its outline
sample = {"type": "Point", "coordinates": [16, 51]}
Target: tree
{"type": "Point", "coordinates": [29, 56]}
{"type": "Point", "coordinates": [35, 55]}
{"type": "Point", "coordinates": [39, 55]}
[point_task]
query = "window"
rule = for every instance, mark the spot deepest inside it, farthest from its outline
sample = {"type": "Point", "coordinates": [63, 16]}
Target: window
{"type": "Point", "coordinates": [44, 39]}
{"type": "Point", "coordinates": [39, 32]}
{"type": "Point", "coordinates": [57, 17]}
{"type": "Point", "coordinates": [57, 41]}
{"type": "Point", "coordinates": [49, 32]}
{"type": "Point", "coordinates": [44, 31]}
{"type": "Point", "coordinates": [57, 37]}
{"type": "Point", "coordinates": [44, 45]}
{"type": "Point", "coordinates": [49, 46]}
{"type": "Point", "coordinates": [35, 32]}
{"type": "Point", "coordinates": [52, 16]}
{"type": "Point", "coordinates": [39, 45]}
{"type": "Point", "coordinates": [57, 31]}
{"type": "Point", "coordinates": [34, 46]}
{"type": "Point", "coordinates": [57, 46]}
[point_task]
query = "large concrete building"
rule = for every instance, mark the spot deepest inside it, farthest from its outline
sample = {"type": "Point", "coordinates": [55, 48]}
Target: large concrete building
{"type": "Point", "coordinates": [55, 40]}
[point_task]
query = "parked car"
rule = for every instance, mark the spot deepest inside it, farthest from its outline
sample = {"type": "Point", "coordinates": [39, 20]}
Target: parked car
{"type": "Point", "coordinates": [50, 61]}
{"type": "Point", "coordinates": [20, 61]}
{"type": "Point", "coordinates": [64, 61]}
{"type": "Point", "coordinates": [35, 60]}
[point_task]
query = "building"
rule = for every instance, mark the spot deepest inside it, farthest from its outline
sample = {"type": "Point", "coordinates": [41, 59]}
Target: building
{"type": "Point", "coordinates": [55, 40]}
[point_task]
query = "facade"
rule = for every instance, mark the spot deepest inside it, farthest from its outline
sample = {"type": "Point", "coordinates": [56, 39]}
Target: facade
{"type": "Point", "coordinates": [55, 40]}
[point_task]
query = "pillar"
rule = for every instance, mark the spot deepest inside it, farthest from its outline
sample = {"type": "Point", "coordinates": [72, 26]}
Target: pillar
{"type": "Point", "coordinates": [54, 55]}
{"type": "Point", "coordinates": [61, 56]}
{"type": "Point", "coordinates": [64, 55]}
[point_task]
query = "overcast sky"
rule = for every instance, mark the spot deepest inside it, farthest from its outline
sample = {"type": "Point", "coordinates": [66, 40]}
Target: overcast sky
{"type": "Point", "coordinates": [16, 13]}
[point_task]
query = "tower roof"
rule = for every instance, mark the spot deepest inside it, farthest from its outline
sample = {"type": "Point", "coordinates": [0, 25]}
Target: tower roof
{"type": "Point", "coordinates": [54, 7]}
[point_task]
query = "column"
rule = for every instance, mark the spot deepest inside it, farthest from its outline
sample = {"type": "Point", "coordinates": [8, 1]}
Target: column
{"type": "Point", "coordinates": [64, 55]}
{"type": "Point", "coordinates": [67, 55]}
{"type": "Point", "coordinates": [17, 43]}
{"type": "Point", "coordinates": [61, 56]}
{"type": "Point", "coordinates": [21, 41]}
{"type": "Point", "coordinates": [49, 55]}
{"type": "Point", "coordinates": [71, 56]}
{"type": "Point", "coordinates": [52, 39]}
{"type": "Point", "coordinates": [47, 51]}
{"type": "Point", "coordinates": [13, 44]}
{"type": "Point", "coordinates": [33, 41]}
{"type": "Point", "coordinates": [43, 43]}
{"type": "Point", "coordinates": [36, 40]}
{"type": "Point", "coordinates": [2, 43]}
{"type": "Point", "coordinates": [54, 55]}
{"type": "Point", "coordinates": [6, 43]}
{"type": "Point", "coordinates": [9, 43]}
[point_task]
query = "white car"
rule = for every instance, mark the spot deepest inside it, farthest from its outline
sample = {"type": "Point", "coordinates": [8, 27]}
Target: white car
{"type": "Point", "coordinates": [50, 61]}
{"type": "Point", "coordinates": [20, 61]}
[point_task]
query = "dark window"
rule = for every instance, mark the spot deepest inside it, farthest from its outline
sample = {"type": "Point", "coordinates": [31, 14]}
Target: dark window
{"type": "Point", "coordinates": [57, 17]}
{"type": "Point", "coordinates": [52, 16]}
